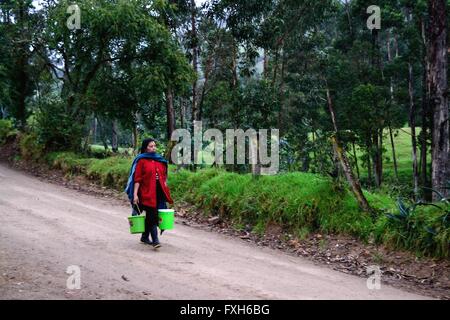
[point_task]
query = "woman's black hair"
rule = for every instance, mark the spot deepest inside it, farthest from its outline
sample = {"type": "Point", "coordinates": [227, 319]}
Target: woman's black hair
{"type": "Point", "coordinates": [145, 144]}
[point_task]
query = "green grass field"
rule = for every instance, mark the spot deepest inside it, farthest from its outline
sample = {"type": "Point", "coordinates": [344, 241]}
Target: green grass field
{"type": "Point", "coordinates": [97, 148]}
{"type": "Point", "coordinates": [403, 152]}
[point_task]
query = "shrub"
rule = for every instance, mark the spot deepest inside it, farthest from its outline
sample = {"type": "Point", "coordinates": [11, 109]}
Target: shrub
{"type": "Point", "coordinates": [423, 228]}
{"type": "Point", "coordinates": [6, 130]}
{"type": "Point", "coordinates": [56, 128]}
{"type": "Point", "coordinates": [30, 148]}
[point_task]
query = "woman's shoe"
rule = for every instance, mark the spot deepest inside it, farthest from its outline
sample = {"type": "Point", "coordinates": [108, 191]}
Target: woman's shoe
{"type": "Point", "coordinates": [156, 245]}
{"type": "Point", "coordinates": [146, 241]}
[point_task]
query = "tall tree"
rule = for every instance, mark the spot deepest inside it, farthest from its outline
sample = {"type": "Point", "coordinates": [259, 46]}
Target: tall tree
{"type": "Point", "coordinates": [194, 45]}
{"type": "Point", "coordinates": [438, 87]}
{"type": "Point", "coordinates": [20, 26]}
{"type": "Point", "coordinates": [128, 38]}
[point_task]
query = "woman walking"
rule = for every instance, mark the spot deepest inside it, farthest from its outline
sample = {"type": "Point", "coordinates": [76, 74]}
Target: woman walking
{"type": "Point", "coordinates": [147, 188]}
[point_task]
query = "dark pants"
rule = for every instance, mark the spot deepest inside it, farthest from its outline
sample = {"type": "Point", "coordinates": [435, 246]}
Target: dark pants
{"type": "Point", "coordinates": [151, 223]}
{"type": "Point", "coordinates": [151, 215]}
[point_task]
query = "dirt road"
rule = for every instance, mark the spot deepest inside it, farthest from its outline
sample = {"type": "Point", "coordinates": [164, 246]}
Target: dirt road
{"type": "Point", "coordinates": [45, 228]}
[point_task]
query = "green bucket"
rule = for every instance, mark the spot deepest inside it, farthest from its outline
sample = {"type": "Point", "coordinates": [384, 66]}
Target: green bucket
{"type": "Point", "coordinates": [166, 219]}
{"type": "Point", "coordinates": [137, 224]}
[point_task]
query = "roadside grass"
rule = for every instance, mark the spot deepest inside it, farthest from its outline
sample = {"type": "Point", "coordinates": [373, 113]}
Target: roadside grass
{"type": "Point", "coordinates": [301, 203]}
{"type": "Point", "coordinates": [110, 172]}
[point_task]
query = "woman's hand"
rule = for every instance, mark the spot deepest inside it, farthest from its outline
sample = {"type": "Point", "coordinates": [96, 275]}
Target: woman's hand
{"type": "Point", "coordinates": [135, 193]}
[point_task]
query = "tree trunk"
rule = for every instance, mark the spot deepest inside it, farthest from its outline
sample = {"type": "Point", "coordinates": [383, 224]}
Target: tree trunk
{"type": "Point", "coordinates": [437, 57]}
{"type": "Point", "coordinates": [377, 168]}
{"type": "Point", "coordinates": [170, 113]}
{"type": "Point", "coordinates": [314, 148]}
{"type": "Point", "coordinates": [170, 123]}
{"type": "Point", "coordinates": [380, 155]}
{"type": "Point", "coordinates": [424, 131]}
{"type": "Point", "coordinates": [369, 162]}
{"type": "Point", "coordinates": [424, 115]}
{"type": "Point", "coordinates": [22, 77]}
{"type": "Point", "coordinates": [135, 134]}
{"type": "Point", "coordinates": [234, 65]}
{"type": "Point", "coordinates": [266, 65]}
{"type": "Point", "coordinates": [256, 167]}
{"type": "Point", "coordinates": [412, 123]}
{"type": "Point", "coordinates": [391, 90]}
{"type": "Point", "coordinates": [182, 114]}
{"type": "Point", "coordinates": [376, 141]}
{"type": "Point", "coordinates": [275, 67]}
{"type": "Point", "coordinates": [102, 134]}
{"type": "Point", "coordinates": [208, 70]}
{"type": "Point", "coordinates": [281, 93]}
{"type": "Point", "coordinates": [195, 112]}
{"type": "Point", "coordinates": [114, 140]}
{"type": "Point", "coordinates": [354, 183]}
{"type": "Point", "coordinates": [87, 140]}
{"type": "Point", "coordinates": [396, 45]}
{"type": "Point", "coordinates": [95, 131]}
{"type": "Point", "coordinates": [394, 157]}
{"type": "Point", "coordinates": [391, 81]}
{"type": "Point", "coordinates": [356, 160]}
{"type": "Point", "coordinates": [349, 18]}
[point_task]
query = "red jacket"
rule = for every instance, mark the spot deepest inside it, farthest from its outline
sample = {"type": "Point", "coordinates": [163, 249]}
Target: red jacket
{"type": "Point", "coordinates": [145, 175]}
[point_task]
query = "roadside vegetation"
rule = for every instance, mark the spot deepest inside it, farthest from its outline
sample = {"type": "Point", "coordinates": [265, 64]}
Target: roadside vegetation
{"type": "Point", "coordinates": [300, 203]}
